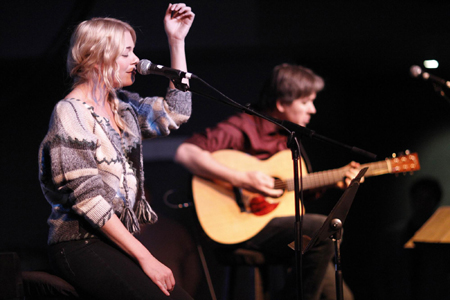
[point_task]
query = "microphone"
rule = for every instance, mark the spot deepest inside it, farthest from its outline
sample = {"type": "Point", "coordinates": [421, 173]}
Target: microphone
{"type": "Point", "coordinates": [145, 67]}
{"type": "Point", "coordinates": [416, 71]}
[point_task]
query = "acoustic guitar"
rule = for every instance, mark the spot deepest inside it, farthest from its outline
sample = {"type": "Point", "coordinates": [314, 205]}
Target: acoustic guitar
{"type": "Point", "coordinates": [229, 215]}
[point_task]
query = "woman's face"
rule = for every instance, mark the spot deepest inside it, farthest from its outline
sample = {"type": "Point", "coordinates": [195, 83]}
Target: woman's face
{"type": "Point", "coordinates": [127, 61]}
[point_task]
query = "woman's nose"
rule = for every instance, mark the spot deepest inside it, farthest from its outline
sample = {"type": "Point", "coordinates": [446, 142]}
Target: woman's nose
{"type": "Point", "coordinates": [136, 59]}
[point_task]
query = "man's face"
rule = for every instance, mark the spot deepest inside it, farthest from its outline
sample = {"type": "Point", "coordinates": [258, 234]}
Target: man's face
{"type": "Point", "coordinates": [299, 111]}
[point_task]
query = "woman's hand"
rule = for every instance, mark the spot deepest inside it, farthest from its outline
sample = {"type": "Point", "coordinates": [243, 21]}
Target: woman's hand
{"type": "Point", "coordinates": [178, 21]}
{"type": "Point", "coordinates": [161, 275]}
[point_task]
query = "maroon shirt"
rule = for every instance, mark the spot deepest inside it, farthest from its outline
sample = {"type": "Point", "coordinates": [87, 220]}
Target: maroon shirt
{"type": "Point", "coordinates": [243, 132]}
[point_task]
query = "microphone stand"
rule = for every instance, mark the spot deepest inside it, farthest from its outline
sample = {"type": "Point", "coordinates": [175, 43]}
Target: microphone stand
{"type": "Point", "coordinates": [295, 132]}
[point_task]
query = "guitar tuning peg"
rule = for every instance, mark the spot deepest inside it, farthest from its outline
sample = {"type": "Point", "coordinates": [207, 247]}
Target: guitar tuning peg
{"type": "Point", "coordinates": [407, 152]}
{"type": "Point", "coordinates": [394, 155]}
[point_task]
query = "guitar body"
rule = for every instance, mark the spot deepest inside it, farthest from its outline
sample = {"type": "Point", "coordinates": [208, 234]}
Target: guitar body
{"type": "Point", "coordinates": [215, 203]}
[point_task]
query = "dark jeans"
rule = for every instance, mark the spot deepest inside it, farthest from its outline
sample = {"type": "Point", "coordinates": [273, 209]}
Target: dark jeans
{"type": "Point", "coordinates": [273, 240]}
{"type": "Point", "coordinates": [99, 270]}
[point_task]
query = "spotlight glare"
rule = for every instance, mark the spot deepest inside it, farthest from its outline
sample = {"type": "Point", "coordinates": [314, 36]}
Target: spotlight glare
{"type": "Point", "coordinates": [431, 64]}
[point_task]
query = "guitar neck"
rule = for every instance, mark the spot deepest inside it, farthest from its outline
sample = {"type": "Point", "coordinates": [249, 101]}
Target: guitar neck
{"type": "Point", "coordinates": [331, 177]}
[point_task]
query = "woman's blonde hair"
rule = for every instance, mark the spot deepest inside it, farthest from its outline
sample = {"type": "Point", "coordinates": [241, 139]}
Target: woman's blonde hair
{"type": "Point", "coordinates": [95, 46]}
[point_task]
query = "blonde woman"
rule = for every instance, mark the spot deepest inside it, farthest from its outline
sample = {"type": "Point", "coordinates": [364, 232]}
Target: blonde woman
{"type": "Point", "coordinates": [90, 162]}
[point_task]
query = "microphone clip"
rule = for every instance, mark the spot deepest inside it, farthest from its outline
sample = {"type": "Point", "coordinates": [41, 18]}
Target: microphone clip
{"type": "Point", "coordinates": [179, 85]}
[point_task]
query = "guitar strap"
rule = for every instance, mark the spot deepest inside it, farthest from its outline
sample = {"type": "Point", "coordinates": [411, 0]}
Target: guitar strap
{"type": "Point", "coordinates": [305, 158]}
{"type": "Point", "coordinates": [238, 198]}
{"type": "Point", "coordinates": [306, 161]}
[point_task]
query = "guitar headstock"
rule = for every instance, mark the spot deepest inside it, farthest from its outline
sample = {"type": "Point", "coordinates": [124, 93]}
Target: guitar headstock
{"type": "Point", "coordinates": [408, 162]}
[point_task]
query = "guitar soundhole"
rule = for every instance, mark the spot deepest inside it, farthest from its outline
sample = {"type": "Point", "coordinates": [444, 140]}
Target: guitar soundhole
{"type": "Point", "coordinates": [259, 206]}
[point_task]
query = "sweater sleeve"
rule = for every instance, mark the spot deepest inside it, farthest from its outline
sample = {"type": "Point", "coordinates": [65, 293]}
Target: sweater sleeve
{"type": "Point", "coordinates": [157, 116]}
{"type": "Point", "coordinates": [69, 173]}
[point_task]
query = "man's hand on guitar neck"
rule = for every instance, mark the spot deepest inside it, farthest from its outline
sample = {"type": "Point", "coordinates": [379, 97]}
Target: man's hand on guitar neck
{"type": "Point", "coordinates": [352, 170]}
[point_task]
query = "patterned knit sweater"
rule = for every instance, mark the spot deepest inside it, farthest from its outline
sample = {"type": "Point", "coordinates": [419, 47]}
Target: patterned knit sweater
{"type": "Point", "coordinates": [88, 172]}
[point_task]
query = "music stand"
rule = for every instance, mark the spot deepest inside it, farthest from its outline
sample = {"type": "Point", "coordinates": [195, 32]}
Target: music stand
{"type": "Point", "coordinates": [332, 228]}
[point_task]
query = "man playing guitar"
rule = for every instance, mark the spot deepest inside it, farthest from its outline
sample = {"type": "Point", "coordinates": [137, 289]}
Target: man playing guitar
{"type": "Point", "coordinates": [288, 95]}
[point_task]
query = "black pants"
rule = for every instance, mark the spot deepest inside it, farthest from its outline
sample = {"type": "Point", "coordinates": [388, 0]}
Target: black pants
{"type": "Point", "coordinates": [273, 240]}
{"type": "Point", "coordinates": [99, 270]}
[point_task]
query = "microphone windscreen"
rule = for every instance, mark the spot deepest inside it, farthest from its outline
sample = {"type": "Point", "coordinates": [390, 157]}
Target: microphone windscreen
{"type": "Point", "coordinates": [415, 71]}
{"type": "Point", "coordinates": [143, 67]}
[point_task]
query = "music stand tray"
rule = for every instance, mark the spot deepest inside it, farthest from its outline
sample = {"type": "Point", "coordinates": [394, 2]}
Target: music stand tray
{"type": "Point", "coordinates": [332, 227]}
{"type": "Point", "coordinates": [339, 212]}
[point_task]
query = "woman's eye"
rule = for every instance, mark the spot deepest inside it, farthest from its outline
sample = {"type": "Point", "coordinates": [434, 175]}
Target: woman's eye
{"type": "Point", "coordinates": [125, 55]}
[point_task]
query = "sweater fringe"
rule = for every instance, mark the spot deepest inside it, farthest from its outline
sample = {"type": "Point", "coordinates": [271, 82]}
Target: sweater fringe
{"type": "Point", "coordinates": [129, 220]}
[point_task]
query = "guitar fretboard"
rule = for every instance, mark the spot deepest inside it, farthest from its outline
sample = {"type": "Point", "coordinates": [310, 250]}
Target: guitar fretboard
{"type": "Point", "coordinates": [331, 177]}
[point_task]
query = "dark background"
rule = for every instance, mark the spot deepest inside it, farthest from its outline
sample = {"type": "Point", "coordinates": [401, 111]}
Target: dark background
{"type": "Point", "coordinates": [363, 50]}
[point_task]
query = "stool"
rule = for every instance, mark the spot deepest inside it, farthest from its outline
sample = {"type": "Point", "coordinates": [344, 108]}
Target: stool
{"type": "Point", "coordinates": [236, 258]}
